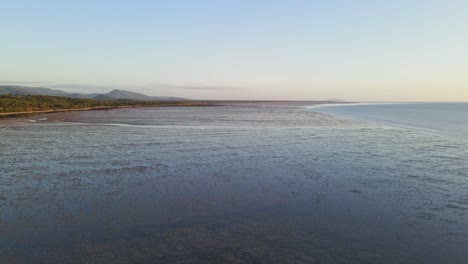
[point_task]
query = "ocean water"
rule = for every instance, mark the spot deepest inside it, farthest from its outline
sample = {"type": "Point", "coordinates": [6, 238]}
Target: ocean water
{"type": "Point", "coordinates": [449, 119]}
{"type": "Point", "coordinates": [239, 184]}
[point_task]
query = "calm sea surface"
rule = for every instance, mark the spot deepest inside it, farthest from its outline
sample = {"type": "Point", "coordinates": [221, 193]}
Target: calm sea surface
{"type": "Point", "coordinates": [449, 119]}
{"type": "Point", "coordinates": [240, 184]}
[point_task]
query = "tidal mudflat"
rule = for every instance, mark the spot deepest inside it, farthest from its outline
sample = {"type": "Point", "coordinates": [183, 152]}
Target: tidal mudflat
{"type": "Point", "coordinates": [229, 184]}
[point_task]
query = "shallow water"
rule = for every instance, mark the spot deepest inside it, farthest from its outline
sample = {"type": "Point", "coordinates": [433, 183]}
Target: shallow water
{"type": "Point", "coordinates": [239, 184]}
{"type": "Point", "coordinates": [448, 119]}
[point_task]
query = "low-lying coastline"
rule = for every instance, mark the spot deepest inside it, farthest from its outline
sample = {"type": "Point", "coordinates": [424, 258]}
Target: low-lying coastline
{"type": "Point", "coordinates": [27, 113]}
{"type": "Point", "coordinates": [25, 105]}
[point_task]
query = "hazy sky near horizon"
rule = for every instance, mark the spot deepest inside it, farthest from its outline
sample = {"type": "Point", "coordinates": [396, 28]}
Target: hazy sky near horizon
{"type": "Point", "coordinates": [364, 50]}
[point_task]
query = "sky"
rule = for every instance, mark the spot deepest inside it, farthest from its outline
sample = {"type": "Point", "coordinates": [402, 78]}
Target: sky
{"type": "Point", "coordinates": [357, 50]}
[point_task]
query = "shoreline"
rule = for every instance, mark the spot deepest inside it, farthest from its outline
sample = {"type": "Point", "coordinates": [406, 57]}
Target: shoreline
{"type": "Point", "coordinates": [27, 113]}
{"type": "Point", "coordinates": [207, 103]}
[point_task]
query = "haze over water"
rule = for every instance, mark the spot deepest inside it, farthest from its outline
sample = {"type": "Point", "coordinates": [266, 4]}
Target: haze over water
{"type": "Point", "coordinates": [241, 184]}
{"type": "Point", "coordinates": [449, 119]}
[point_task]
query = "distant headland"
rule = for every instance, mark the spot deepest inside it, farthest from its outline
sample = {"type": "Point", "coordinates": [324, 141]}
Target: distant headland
{"type": "Point", "coordinates": [22, 100]}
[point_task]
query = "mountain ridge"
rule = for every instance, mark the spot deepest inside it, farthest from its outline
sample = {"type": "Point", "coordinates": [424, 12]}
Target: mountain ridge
{"type": "Point", "coordinates": [115, 94]}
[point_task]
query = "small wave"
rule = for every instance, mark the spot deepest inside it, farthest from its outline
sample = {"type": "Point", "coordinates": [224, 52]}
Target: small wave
{"type": "Point", "coordinates": [127, 125]}
{"type": "Point", "coordinates": [124, 125]}
{"type": "Point", "coordinates": [36, 120]}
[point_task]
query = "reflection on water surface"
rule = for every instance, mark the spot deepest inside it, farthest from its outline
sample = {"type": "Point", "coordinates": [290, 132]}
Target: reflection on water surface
{"type": "Point", "coordinates": [237, 184]}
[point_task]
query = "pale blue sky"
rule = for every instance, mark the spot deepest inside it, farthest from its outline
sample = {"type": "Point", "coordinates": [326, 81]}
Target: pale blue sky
{"type": "Point", "coordinates": [304, 50]}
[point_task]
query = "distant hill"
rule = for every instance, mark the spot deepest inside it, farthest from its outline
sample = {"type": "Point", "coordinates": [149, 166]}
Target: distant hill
{"type": "Point", "coordinates": [23, 90]}
{"type": "Point", "coordinates": [122, 94]}
{"type": "Point", "coordinates": [112, 95]}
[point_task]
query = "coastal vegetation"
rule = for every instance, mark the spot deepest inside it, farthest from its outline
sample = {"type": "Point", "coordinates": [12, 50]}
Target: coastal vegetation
{"type": "Point", "coordinates": [36, 103]}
